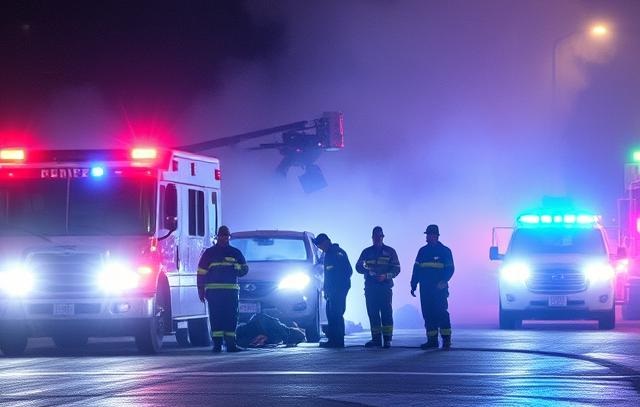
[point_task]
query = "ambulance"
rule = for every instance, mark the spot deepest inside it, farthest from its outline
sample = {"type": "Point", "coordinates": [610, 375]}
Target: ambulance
{"type": "Point", "coordinates": [98, 243]}
{"type": "Point", "coordinates": [556, 267]}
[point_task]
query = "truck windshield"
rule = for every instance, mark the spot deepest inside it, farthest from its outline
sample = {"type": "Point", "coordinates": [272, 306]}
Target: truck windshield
{"type": "Point", "coordinates": [557, 241]}
{"type": "Point", "coordinates": [271, 249]}
{"type": "Point", "coordinates": [77, 206]}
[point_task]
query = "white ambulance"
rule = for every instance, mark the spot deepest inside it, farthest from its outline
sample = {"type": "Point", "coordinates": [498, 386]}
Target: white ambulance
{"type": "Point", "coordinates": [557, 266]}
{"type": "Point", "coordinates": [104, 243]}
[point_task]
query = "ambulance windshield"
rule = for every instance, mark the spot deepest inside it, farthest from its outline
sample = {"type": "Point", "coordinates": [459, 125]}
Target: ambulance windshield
{"type": "Point", "coordinates": [557, 240]}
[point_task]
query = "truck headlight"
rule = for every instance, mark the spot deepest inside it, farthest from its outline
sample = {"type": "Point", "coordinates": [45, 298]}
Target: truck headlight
{"type": "Point", "coordinates": [295, 281]}
{"type": "Point", "coordinates": [515, 272]}
{"type": "Point", "coordinates": [116, 277]}
{"type": "Point", "coordinates": [16, 280]}
{"type": "Point", "coordinates": [598, 271]}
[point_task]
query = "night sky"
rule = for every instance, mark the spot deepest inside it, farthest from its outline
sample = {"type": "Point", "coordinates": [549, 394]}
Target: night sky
{"type": "Point", "coordinates": [449, 110]}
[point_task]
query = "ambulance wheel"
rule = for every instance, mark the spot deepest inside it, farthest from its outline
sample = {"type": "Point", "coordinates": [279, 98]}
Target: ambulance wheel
{"type": "Point", "coordinates": [70, 341]}
{"type": "Point", "coordinates": [151, 333]}
{"type": "Point", "coordinates": [13, 343]}
{"type": "Point", "coordinates": [182, 337]}
{"type": "Point", "coordinates": [608, 320]}
{"type": "Point", "coordinates": [199, 332]}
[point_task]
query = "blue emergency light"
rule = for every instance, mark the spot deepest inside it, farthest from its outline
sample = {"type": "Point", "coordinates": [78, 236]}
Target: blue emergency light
{"type": "Point", "coordinates": [557, 219]}
{"type": "Point", "coordinates": [97, 171]}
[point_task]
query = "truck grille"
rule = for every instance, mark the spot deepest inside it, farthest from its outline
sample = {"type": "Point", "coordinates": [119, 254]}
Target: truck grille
{"type": "Point", "coordinates": [556, 280]}
{"type": "Point", "coordinates": [65, 275]}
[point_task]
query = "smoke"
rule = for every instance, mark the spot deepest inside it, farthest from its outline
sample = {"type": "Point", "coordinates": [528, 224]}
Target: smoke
{"type": "Point", "coordinates": [574, 58]}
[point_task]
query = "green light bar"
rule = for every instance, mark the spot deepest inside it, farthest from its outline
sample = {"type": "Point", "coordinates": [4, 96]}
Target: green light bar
{"type": "Point", "coordinates": [566, 219]}
{"type": "Point", "coordinates": [636, 156]}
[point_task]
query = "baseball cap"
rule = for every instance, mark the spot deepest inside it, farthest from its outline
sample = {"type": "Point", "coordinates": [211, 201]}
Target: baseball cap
{"type": "Point", "coordinates": [322, 237]}
{"type": "Point", "coordinates": [432, 230]}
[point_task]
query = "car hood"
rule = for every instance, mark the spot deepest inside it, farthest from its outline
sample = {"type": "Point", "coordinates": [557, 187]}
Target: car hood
{"type": "Point", "coordinates": [275, 270]}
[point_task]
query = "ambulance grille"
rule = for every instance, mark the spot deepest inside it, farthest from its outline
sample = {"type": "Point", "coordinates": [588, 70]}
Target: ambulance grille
{"type": "Point", "coordinates": [256, 290]}
{"type": "Point", "coordinates": [556, 280]}
{"type": "Point", "coordinates": [70, 275]}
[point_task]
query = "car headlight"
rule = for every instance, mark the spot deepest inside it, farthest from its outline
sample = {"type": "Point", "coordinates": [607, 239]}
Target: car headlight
{"type": "Point", "coordinates": [515, 272]}
{"type": "Point", "coordinates": [295, 281]}
{"type": "Point", "coordinates": [16, 280]}
{"type": "Point", "coordinates": [598, 271]}
{"type": "Point", "coordinates": [116, 277]}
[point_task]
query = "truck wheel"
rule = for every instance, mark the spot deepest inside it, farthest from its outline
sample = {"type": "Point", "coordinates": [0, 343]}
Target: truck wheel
{"type": "Point", "coordinates": [70, 341]}
{"type": "Point", "coordinates": [199, 332]}
{"type": "Point", "coordinates": [607, 321]}
{"type": "Point", "coordinates": [149, 337]}
{"type": "Point", "coordinates": [312, 330]}
{"type": "Point", "coordinates": [13, 343]}
{"type": "Point", "coordinates": [182, 337]}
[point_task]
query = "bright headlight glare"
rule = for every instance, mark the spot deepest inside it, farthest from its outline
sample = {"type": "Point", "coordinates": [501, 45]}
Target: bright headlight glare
{"type": "Point", "coordinates": [16, 280]}
{"type": "Point", "coordinates": [598, 271]}
{"type": "Point", "coordinates": [515, 272]}
{"type": "Point", "coordinates": [117, 277]}
{"type": "Point", "coordinates": [295, 281]}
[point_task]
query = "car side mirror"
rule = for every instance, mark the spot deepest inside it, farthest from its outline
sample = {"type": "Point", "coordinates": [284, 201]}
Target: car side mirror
{"type": "Point", "coordinates": [494, 254]}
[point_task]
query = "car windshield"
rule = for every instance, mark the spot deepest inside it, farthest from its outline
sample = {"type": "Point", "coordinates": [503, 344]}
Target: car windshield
{"type": "Point", "coordinates": [271, 249]}
{"type": "Point", "coordinates": [557, 241]}
{"type": "Point", "coordinates": [78, 206]}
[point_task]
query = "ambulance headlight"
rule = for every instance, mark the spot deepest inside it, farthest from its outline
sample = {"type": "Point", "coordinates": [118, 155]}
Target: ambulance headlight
{"type": "Point", "coordinates": [116, 277]}
{"type": "Point", "coordinates": [295, 281]}
{"type": "Point", "coordinates": [598, 271]}
{"type": "Point", "coordinates": [16, 280]}
{"type": "Point", "coordinates": [515, 272]}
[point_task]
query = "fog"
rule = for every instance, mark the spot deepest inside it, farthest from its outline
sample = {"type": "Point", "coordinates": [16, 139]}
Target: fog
{"type": "Point", "coordinates": [450, 118]}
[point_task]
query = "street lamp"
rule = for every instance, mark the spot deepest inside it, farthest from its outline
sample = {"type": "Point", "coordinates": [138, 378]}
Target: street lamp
{"type": "Point", "coordinates": [596, 31]}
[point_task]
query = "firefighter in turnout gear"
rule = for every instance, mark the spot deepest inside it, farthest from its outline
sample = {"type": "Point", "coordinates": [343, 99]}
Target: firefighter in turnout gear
{"type": "Point", "coordinates": [379, 264]}
{"type": "Point", "coordinates": [218, 272]}
{"type": "Point", "coordinates": [337, 282]}
{"type": "Point", "coordinates": [432, 270]}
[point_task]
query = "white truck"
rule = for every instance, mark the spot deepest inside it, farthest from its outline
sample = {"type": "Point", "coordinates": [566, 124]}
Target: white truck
{"type": "Point", "coordinates": [556, 267]}
{"type": "Point", "coordinates": [104, 243]}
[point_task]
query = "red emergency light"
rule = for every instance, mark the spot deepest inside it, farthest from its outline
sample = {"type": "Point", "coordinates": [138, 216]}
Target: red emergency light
{"type": "Point", "coordinates": [12, 154]}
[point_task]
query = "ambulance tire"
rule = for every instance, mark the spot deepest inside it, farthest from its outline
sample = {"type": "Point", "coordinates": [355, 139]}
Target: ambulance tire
{"type": "Point", "coordinates": [151, 332]}
{"type": "Point", "coordinates": [70, 341]}
{"type": "Point", "coordinates": [13, 343]}
{"type": "Point", "coordinates": [199, 332]}
{"type": "Point", "coordinates": [182, 337]}
{"type": "Point", "coordinates": [509, 320]}
{"type": "Point", "coordinates": [607, 321]}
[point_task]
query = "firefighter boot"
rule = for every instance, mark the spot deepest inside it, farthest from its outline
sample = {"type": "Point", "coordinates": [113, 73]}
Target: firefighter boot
{"type": "Point", "coordinates": [446, 342]}
{"type": "Point", "coordinates": [375, 342]}
{"type": "Point", "coordinates": [432, 342]}
{"type": "Point", "coordinates": [387, 342]}
{"type": "Point", "coordinates": [217, 345]}
{"type": "Point", "coordinates": [230, 341]}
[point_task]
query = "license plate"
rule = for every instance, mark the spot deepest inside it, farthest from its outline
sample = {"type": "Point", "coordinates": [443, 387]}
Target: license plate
{"type": "Point", "coordinates": [249, 307]}
{"type": "Point", "coordinates": [557, 300]}
{"type": "Point", "coordinates": [63, 310]}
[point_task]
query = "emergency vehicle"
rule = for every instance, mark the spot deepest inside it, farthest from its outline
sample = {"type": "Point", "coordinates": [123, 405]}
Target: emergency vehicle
{"type": "Point", "coordinates": [104, 243]}
{"type": "Point", "coordinates": [628, 281]}
{"type": "Point", "coordinates": [557, 266]}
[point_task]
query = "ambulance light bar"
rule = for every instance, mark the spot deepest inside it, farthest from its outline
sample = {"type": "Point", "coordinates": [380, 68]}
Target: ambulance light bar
{"type": "Point", "coordinates": [144, 153]}
{"type": "Point", "coordinates": [12, 154]}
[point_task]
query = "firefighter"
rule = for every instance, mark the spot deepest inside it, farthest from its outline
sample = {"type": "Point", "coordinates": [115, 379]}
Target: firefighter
{"type": "Point", "coordinates": [432, 270]}
{"type": "Point", "coordinates": [379, 264]}
{"type": "Point", "coordinates": [218, 272]}
{"type": "Point", "coordinates": [337, 282]}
